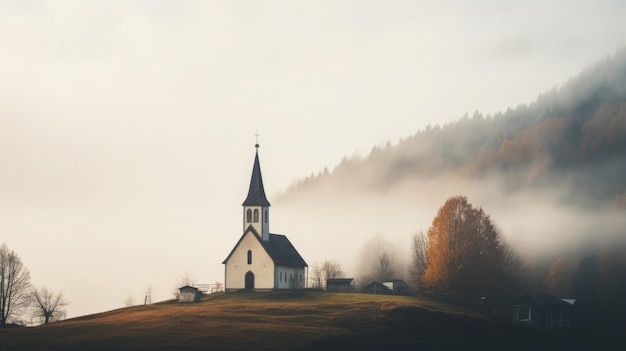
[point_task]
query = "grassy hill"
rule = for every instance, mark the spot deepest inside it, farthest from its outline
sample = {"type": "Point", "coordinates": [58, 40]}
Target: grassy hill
{"type": "Point", "coordinates": [288, 321]}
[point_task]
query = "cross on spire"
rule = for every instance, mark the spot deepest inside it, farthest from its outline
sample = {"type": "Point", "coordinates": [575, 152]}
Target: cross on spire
{"type": "Point", "coordinates": [257, 139]}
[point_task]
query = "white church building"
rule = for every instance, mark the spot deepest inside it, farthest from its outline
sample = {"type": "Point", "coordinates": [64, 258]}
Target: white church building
{"type": "Point", "coordinates": [261, 260]}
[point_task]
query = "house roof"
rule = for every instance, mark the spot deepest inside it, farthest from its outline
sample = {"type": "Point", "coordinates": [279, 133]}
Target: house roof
{"type": "Point", "coordinates": [543, 299]}
{"type": "Point", "coordinates": [256, 193]}
{"type": "Point", "coordinates": [187, 287]}
{"type": "Point", "coordinates": [395, 281]}
{"type": "Point", "coordinates": [375, 284]}
{"type": "Point", "coordinates": [278, 247]}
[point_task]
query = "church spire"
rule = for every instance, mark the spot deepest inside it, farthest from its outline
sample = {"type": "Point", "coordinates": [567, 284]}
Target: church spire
{"type": "Point", "coordinates": [256, 193]}
{"type": "Point", "coordinates": [256, 207]}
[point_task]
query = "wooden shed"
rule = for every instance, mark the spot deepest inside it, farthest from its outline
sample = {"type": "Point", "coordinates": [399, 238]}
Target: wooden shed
{"type": "Point", "coordinates": [376, 288]}
{"type": "Point", "coordinates": [189, 294]}
{"type": "Point", "coordinates": [339, 284]}
{"type": "Point", "coordinates": [397, 286]}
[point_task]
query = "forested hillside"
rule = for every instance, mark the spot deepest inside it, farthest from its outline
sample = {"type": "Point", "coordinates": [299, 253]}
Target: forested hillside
{"type": "Point", "coordinates": [575, 133]}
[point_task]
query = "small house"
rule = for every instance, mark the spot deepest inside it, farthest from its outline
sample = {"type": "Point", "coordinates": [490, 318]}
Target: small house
{"type": "Point", "coordinates": [189, 294]}
{"type": "Point", "coordinates": [339, 284]}
{"type": "Point", "coordinates": [376, 288]}
{"type": "Point", "coordinates": [541, 309]}
{"type": "Point", "coordinates": [397, 286]}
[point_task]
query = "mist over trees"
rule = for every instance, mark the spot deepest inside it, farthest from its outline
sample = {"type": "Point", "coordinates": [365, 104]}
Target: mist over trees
{"type": "Point", "coordinates": [554, 169]}
{"type": "Point", "coordinates": [419, 260]}
{"type": "Point", "coordinates": [379, 262]}
{"type": "Point", "coordinates": [574, 134]}
{"type": "Point", "coordinates": [597, 281]}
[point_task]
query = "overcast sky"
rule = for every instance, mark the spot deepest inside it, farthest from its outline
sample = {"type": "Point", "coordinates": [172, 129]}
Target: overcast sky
{"type": "Point", "coordinates": [127, 127]}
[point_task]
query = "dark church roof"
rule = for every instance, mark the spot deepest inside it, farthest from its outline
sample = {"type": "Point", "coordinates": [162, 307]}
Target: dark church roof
{"type": "Point", "coordinates": [282, 252]}
{"type": "Point", "coordinates": [256, 193]}
{"type": "Point", "coordinates": [279, 248]}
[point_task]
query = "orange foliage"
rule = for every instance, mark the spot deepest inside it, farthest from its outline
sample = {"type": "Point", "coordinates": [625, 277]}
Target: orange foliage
{"type": "Point", "coordinates": [466, 254]}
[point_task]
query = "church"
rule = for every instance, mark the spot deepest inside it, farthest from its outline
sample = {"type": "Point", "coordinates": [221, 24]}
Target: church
{"type": "Point", "coordinates": [261, 260]}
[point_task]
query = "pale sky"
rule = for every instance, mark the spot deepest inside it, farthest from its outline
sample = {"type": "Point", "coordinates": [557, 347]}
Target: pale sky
{"type": "Point", "coordinates": [127, 127]}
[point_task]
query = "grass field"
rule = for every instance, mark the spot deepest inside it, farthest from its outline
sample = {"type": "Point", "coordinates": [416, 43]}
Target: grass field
{"type": "Point", "coordinates": [291, 321]}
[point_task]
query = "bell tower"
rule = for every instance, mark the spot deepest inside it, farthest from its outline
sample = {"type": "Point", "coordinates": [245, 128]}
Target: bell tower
{"type": "Point", "coordinates": [256, 208]}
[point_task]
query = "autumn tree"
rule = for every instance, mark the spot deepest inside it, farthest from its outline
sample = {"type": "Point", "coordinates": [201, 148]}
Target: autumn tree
{"type": "Point", "coordinates": [559, 277]}
{"type": "Point", "coordinates": [48, 305]}
{"type": "Point", "coordinates": [14, 285]}
{"type": "Point", "coordinates": [467, 255]}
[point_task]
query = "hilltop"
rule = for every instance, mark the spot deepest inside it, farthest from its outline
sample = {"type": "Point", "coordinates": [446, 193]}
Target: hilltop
{"type": "Point", "coordinates": [289, 321]}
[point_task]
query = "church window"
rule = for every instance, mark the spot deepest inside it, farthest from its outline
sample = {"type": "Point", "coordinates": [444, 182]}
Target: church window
{"type": "Point", "coordinates": [256, 215]}
{"type": "Point", "coordinates": [249, 256]}
{"type": "Point", "coordinates": [266, 216]}
{"type": "Point", "coordinates": [249, 215]}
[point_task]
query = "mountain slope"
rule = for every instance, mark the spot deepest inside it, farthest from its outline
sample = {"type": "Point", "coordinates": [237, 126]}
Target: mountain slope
{"type": "Point", "coordinates": [576, 133]}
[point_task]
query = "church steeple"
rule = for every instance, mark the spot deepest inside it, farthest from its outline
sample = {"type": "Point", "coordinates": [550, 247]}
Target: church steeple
{"type": "Point", "coordinates": [256, 193]}
{"type": "Point", "coordinates": [256, 206]}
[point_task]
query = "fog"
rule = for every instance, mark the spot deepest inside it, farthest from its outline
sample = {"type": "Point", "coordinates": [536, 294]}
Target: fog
{"type": "Point", "coordinates": [541, 225]}
{"type": "Point", "coordinates": [127, 127]}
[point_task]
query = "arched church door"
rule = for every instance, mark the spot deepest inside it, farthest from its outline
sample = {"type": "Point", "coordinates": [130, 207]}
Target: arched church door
{"type": "Point", "coordinates": [249, 280]}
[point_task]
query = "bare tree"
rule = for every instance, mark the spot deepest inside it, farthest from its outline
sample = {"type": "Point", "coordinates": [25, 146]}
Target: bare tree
{"type": "Point", "coordinates": [385, 268]}
{"type": "Point", "coordinates": [317, 276]}
{"type": "Point", "coordinates": [186, 279]}
{"type": "Point", "coordinates": [14, 285]}
{"type": "Point", "coordinates": [129, 301]}
{"type": "Point", "coordinates": [147, 300]}
{"type": "Point", "coordinates": [331, 269]}
{"type": "Point", "coordinates": [378, 261]}
{"type": "Point", "coordinates": [49, 306]}
{"type": "Point", "coordinates": [321, 272]}
{"type": "Point", "coordinates": [418, 253]}
{"type": "Point", "coordinates": [296, 281]}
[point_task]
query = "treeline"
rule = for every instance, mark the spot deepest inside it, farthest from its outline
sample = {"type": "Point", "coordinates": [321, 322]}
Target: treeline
{"type": "Point", "coordinates": [465, 255]}
{"type": "Point", "coordinates": [576, 132]}
{"type": "Point", "coordinates": [596, 280]}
